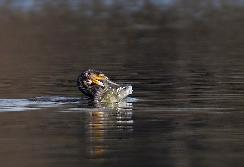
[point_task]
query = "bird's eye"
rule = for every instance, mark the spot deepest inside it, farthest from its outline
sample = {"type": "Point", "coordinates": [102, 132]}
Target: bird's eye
{"type": "Point", "coordinates": [101, 75]}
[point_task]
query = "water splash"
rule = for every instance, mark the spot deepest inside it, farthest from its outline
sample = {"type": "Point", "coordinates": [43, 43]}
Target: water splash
{"type": "Point", "coordinates": [114, 94]}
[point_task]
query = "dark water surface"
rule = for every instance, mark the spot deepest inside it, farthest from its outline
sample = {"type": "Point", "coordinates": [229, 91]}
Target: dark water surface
{"type": "Point", "coordinates": [184, 112]}
{"type": "Point", "coordinates": [187, 108]}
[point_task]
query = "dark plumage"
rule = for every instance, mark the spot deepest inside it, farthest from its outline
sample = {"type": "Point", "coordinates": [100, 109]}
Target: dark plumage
{"type": "Point", "coordinates": [90, 82]}
{"type": "Point", "coordinates": [98, 87]}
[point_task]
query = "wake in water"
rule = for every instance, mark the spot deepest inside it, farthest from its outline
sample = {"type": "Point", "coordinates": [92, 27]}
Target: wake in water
{"type": "Point", "coordinates": [100, 91]}
{"type": "Point", "coordinates": [65, 103]}
{"type": "Point", "coordinates": [34, 103]}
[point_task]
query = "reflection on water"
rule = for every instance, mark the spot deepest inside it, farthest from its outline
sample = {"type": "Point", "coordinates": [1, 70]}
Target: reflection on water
{"type": "Point", "coordinates": [107, 127]}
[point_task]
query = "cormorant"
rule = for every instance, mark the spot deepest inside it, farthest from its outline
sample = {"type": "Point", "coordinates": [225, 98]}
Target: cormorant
{"type": "Point", "coordinates": [98, 87]}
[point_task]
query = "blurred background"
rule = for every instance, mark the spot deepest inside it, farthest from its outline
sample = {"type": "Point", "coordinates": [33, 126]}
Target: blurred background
{"type": "Point", "coordinates": [68, 36]}
{"type": "Point", "coordinates": [184, 59]}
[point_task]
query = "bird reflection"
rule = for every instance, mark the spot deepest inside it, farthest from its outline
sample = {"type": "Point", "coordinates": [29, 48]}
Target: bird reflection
{"type": "Point", "coordinates": [104, 127]}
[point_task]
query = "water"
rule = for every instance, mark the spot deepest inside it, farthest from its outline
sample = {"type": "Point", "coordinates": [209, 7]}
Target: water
{"type": "Point", "coordinates": [182, 113]}
{"type": "Point", "coordinates": [186, 110]}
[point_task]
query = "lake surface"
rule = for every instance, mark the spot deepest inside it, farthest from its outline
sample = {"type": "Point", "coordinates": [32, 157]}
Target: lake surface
{"type": "Point", "coordinates": [187, 106]}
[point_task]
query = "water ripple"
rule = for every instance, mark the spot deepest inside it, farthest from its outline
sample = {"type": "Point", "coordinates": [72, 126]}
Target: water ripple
{"type": "Point", "coordinates": [7, 105]}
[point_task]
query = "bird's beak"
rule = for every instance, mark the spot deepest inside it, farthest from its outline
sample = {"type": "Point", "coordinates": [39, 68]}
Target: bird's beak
{"type": "Point", "coordinates": [97, 79]}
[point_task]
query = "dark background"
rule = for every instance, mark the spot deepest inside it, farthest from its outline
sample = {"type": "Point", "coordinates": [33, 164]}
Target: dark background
{"type": "Point", "coordinates": [37, 36]}
{"type": "Point", "coordinates": [184, 59]}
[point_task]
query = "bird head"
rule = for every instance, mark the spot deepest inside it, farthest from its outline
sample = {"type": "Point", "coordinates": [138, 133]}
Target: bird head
{"type": "Point", "coordinates": [91, 81]}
